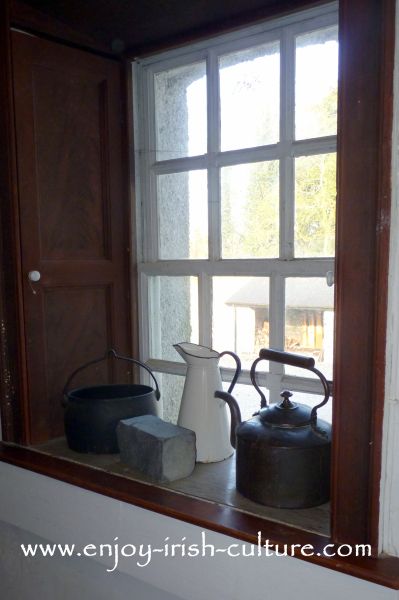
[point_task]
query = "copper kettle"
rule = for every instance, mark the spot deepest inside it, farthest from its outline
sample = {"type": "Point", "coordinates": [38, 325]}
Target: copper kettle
{"type": "Point", "coordinates": [283, 452]}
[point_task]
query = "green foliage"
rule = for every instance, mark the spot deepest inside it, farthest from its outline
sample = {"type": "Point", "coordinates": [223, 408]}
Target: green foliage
{"type": "Point", "coordinates": [315, 193]}
{"type": "Point", "coordinates": [230, 235]}
{"type": "Point", "coordinates": [261, 223]}
{"type": "Point", "coordinates": [257, 233]}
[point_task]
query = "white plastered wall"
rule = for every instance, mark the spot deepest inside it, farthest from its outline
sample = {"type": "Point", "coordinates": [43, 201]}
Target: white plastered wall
{"type": "Point", "coordinates": [62, 513]}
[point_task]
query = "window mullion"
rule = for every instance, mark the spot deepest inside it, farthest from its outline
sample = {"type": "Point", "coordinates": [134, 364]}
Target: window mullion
{"type": "Point", "coordinates": [214, 214]}
{"type": "Point", "coordinates": [276, 335]}
{"type": "Point", "coordinates": [214, 221]}
{"type": "Point", "coordinates": [287, 125]}
{"type": "Point", "coordinates": [205, 309]}
{"type": "Point", "coordinates": [151, 212]}
{"type": "Point", "coordinates": [144, 321]}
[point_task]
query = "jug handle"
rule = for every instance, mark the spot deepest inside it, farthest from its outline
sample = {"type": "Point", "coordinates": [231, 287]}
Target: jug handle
{"type": "Point", "coordinates": [238, 368]}
{"type": "Point", "coordinates": [235, 414]}
{"type": "Point", "coordinates": [110, 352]}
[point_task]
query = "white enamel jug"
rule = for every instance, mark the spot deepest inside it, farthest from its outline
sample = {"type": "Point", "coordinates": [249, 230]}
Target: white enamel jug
{"type": "Point", "coordinates": [200, 411]}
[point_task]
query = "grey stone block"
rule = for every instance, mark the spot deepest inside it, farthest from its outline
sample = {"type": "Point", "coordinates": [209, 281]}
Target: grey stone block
{"type": "Point", "coordinates": [162, 451]}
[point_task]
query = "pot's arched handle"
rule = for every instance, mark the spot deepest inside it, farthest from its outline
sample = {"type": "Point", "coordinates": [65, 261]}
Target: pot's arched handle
{"type": "Point", "coordinates": [294, 360]}
{"type": "Point", "coordinates": [110, 352]}
{"type": "Point", "coordinates": [238, 368]}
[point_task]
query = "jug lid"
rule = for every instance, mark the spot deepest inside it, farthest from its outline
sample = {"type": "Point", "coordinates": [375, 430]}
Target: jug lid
{"type": "Point", "coordinates": [286, 414]}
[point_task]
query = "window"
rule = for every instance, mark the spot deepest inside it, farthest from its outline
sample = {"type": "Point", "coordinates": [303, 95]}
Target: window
{"type": "Point", "coordinates": [237, 189]}
{"type": "Point", "coordinates": [364, 174]}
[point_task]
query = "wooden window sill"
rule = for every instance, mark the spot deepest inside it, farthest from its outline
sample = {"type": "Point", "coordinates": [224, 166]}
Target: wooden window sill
{"type": "Point", "coordinates": [212, 482]}
{"type": "Point", "coordinates": [221, 518]}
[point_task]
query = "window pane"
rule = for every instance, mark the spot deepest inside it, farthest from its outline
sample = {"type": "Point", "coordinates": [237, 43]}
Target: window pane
{"type": "Point", "coordinates": [247, 397]}
{"type": "Point", "coordinates": [250, 210]}
{"type": "Point", "coordinates": [315, 194]}
{"type": "Point", "coordinates": [183, 215]}
{"type": "Point", "coordinates": [316, 82]}
{"type": "Point", "coordinates": [240, 317]}
{"type": "Point", "coordinates": [173, 314]}
{"type": "Point", "coordinates": [171, 388]}
{"type": "Point", "coordinates": [325, 412]}
{"type": "Point", "coordinates": [180, 111]}
{"type": "Point", "coordinates": [250, 97]}
{"type": "Point", "coordinates": [309, 322]}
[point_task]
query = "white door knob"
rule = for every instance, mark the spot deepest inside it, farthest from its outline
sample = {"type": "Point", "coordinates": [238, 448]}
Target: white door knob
{"type": "Point", "coordinates": [34, 276]}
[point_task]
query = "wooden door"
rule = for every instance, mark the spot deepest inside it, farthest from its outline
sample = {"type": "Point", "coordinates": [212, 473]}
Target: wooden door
{"type": "Point", "coordinates": [73, 221]}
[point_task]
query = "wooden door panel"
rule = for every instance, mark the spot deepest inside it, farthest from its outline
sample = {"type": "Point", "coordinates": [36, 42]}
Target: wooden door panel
{"type": "Point", "coordinates": [72, 173]}
{"type": "Point", "coordinates": [72, 220]}
{"type": "Point", "coordinates": [74, 325]}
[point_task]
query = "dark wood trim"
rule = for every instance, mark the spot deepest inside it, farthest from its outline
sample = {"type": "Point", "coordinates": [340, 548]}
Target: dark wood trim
{"type": "Point", "coordinates": [364, 163]}
{"type": "Point", "coordinates": [277, 8]}
{"type": "Point", "coordinates": [33, 21]}
{"type": "Point", "coordinates": [220, 518]}
{"type": "Point", "coordinates": [129, 164]}
{"type": "Point", "coordinates": [382, 258]}
{"type": "Point", "coordinates": [12, 360]}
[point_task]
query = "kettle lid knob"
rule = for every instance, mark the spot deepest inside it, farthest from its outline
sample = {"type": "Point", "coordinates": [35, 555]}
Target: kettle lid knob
{"type": "Point", "coordinates": [286, 402]}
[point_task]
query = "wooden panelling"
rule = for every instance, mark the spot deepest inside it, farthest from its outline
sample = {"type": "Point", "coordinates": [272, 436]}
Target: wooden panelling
{"type": "Point", "coordinates": [32, 19]}
{"type": "Point", "coordinates": [72, 163]}
{"type": "Point", "coordinates": [12, 373]}
{"type": "Point", "coordinates": [80, 317]}
{"type": "Point", "coordinates": [145, 23]}
{"type": "Point", "coordinates": [73, 219]}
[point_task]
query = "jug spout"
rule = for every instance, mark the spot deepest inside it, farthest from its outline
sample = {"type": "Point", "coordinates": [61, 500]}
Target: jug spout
{"type": "Point", "coordinates": [193, 353]}
{"type": "Point", "coordinates": [235, 414]}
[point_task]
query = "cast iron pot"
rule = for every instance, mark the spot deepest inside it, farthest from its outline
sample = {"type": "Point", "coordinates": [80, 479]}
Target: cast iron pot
{"type": "Point", "coordinates": [92, 413]}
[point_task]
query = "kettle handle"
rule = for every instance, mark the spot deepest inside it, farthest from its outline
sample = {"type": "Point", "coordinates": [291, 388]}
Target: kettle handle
{"type": "Point", "coordinates": [294, 360]}
{"type": "Point", "coordinates": [110, 352]}
{"type": "Point", "coordinates": [238, 368]}
{"type": "Point", "coordinates": [287, 358]}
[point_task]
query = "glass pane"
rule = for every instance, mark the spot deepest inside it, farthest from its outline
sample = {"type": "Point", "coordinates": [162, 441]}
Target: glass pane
{"type": "Point", "coordinates": [325, 412]}
{"type": "Point", "coordinates": [173, 314]}
{"type": "Point", "coordinates": [247, 397]}
{"type": "Point", "coordinates": [240, 317]}
{"type": "Point", "coordinates": [183, 215]}
{"type": "Point", "coordinates": [250, 210]}
{"type": "Point", "coordinates": [316, 83]}
{"type": "Point", "coordinates": [315, 195]}
{"type": "Point", "coordinates": [171, 388]}
{"type": "Point", "coordinates": [250, 97]}
{"type": "Point", "coordinates": [309, 322]}
{"type": "Point", "coordinates": [180, 111]}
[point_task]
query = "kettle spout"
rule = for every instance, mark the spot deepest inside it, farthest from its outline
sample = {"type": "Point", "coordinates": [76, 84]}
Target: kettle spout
{"type": "Point", "coordinates": [235, 413]}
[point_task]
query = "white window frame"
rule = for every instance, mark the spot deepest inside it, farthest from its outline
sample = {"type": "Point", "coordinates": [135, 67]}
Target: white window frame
{"type": "Point", "coordinates": [286, 150]}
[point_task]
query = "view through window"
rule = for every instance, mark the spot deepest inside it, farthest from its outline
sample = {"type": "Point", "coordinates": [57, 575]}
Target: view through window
{"type": "Point", "coordinates": [237, 190]}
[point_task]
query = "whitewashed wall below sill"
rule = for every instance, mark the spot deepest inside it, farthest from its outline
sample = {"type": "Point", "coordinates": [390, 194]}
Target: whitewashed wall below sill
{"type": "Point", "coordinates": [59, 512]}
